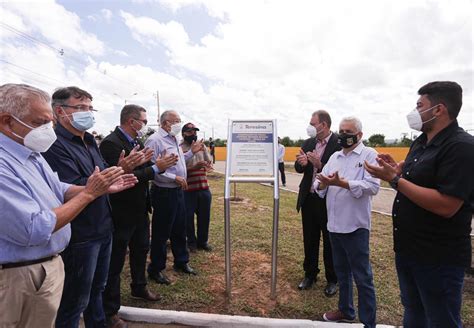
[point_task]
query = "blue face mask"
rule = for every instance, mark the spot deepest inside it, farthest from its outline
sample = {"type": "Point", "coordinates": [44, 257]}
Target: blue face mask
{"type": "Point", "coordinates": [83, 120]}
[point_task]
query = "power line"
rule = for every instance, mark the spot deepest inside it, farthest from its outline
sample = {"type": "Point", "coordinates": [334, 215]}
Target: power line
{"type": "Point", "coordinates": [32, 39]}
{"type": "Point", "coordinates": [61, 52]}
{"type": "Point", "coordinates": [33, 72]}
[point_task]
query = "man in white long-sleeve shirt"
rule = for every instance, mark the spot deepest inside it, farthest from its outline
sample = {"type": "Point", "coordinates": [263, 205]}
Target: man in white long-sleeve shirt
{"type": "Point", "coordinates": [349, 188]}
{"type": "Point", "coordinates": [281, 162]}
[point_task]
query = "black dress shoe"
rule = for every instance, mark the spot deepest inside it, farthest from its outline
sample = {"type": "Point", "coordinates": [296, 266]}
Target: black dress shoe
{"type": "Point", "coordinates": [159, 278]}
{"type": "Point", "coordinates": [205, 247]}
{"type": "Point", "coordinates": [116, 322]}
{"type": "Point", "coordinates": [146, 294]}
{"type": "Point", "coordinates": [185, 268]}
{"type": "Point", "coordinates": [306, 283]}
{"type": "Point", "coordinates": [192, 248]}
{"type": "Point", "coordinates": [330, 289]}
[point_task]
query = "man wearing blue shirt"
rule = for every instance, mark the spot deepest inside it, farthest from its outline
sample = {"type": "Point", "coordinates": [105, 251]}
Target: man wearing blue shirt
{"type": "Point", "coordinates": [36, 209]}
{"type": "Point", "coordinates": [74, 156]}
{"type": "Point", "coordinates": [349, 188]}
{"type": "Point", "coordinates": [169, 220]}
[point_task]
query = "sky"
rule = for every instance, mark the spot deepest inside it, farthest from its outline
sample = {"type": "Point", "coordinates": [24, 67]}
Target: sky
{"type": "Point", "coordinates": [215, 60]}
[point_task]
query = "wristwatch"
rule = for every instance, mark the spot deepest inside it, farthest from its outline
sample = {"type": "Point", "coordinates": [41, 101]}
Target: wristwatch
{"type": "Point", "coordinates": [394, 182]}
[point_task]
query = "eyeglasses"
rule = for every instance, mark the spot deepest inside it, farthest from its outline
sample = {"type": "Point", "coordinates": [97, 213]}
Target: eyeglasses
{"type": "Point", "coordinates": [145, 122]}
{"type": "Point", "coordinates": [81, 108]}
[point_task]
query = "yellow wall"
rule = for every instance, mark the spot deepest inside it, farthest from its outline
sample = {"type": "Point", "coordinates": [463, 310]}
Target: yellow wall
{"type": "Point", "coordinates": [398, 153]}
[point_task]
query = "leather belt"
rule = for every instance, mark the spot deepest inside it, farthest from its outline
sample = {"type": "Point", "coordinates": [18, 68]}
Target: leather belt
{"type": "Point", "coordinates": [25, 263]}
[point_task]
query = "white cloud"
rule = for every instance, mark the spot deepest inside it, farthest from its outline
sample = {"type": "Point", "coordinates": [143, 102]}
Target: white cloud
{"type": "Point", "coordinates": [56, 24]}
{"type": "Point", "coordinates": [121, 53]}
{"type": "Point", "coordinates": [351, 58]}
{"type": "Point", "coordinates": [265, 59]}
{"type": "Point", "coordinates": [107, 14]}
{"type": "Point", "coordinates": [151, 32]}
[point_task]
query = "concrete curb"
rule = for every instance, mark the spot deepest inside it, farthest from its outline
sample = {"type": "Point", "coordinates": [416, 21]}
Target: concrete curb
{"type": "Point", "coordinates": [220, 320]}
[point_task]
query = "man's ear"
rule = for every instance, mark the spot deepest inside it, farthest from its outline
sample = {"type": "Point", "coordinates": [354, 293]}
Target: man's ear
{"type": "Point", "coordinates": [5, 119]}
{"type": "Point", "coordinates": [440, 108]}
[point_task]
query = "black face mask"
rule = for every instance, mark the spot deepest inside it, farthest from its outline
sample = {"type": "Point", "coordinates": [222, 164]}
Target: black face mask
{"type": "Point", "coordinates": [347, 140]}
{"type": "Point", "coordinates": [190, 139]}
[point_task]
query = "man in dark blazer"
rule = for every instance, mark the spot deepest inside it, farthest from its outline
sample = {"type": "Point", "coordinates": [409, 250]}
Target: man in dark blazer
{"type": "Point", "coordinates": [130, 209]}
{"type": "Point", "coordinates": [313, 155]}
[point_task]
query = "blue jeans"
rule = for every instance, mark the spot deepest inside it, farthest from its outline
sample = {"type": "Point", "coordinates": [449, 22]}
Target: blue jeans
{"type": "Point", "coordinates": [86, 265]}
{"type": "Point", "coordinates": [168, 222]}
{"type": "Point", "coordinates": [350, 252]}
{"type": "Point", "coordinates": [198, 202]}
{"type": "Point", "coordinates": [431, 294]}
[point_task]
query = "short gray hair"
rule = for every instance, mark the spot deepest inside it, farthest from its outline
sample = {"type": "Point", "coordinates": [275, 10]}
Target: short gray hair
{"type": "Point", "coordinates": [164, 116]}
{"type": "Point", "coordinates": [357, 123]}
{"type": "Point", "coordinates": [16, 99]}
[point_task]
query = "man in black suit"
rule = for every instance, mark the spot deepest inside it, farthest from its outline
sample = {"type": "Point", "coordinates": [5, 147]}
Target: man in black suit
{"type": "Point", "coordinates": [130, 209]}
{"type": "Point", "coordinates": [313, 155]}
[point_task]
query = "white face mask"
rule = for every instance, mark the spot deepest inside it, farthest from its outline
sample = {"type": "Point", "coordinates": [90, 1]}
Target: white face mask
{"type": "Point", "coordinates": [313, 131]}
{"type": "Point", "coordinates": [175, 129]}
{"type": "Point", "coordinates": [38, 139]}
{"type": "Point", "coordinates": [143, 130]}
{"type": "Point", "coordinates": [415, 121]}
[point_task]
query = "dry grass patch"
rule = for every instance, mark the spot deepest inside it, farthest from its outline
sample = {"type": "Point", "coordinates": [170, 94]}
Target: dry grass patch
{"type": "Point", "coordinates": [251, 228]}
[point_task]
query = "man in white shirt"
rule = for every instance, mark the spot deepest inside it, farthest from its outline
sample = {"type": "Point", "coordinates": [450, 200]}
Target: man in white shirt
{"type": "Point", "coordinates": [281, 162]}
{"type": "Point", "coordinates": [349, 188]}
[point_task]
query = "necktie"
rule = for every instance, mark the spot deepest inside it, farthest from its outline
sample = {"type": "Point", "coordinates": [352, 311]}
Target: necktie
{"type": "Point", "coordinates": [320, 147]}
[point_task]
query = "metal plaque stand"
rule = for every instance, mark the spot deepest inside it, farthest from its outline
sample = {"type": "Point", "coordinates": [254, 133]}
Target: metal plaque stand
{"type": "Point", "coordinates": [251, 179]}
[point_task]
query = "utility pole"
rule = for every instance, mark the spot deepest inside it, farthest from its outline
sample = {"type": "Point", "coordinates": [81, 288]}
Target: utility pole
{"type": "Point", "coordinates": [158, 106]}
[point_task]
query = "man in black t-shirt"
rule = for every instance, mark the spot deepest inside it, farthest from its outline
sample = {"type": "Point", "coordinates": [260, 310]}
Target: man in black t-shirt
{"type": "Point", "coordinates": [431, 212]}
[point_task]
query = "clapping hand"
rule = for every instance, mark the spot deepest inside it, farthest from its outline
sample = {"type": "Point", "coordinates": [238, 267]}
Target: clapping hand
{"type": "Point", "coordinates": [302, 158]}
{"type": "Point", "coordinates": [330, 180]}
{"type": "Point", "coordinates": [314, 158]}
{"type": "Point", "coordinates": [99, 182]}
{"type": "Point", "coordinates": [197, 146]}
{"type": "Point", "coordinates": [182, 182]}
{"type": "Point", "coordinates": [124, 182]}
{"type": "Point", "coordinates": [134, 159]}
{"type": "Point", "coordinates": [209, 166]}
{"type": "Point", "coordinates": [387, 168]}
{"type": "Point", "coordinates": [164, 161]}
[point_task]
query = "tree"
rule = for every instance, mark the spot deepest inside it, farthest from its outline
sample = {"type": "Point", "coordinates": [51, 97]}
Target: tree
{"type": "Point", "coordinates": [377, 140]}
{"type": "Point", "coordinates": [287, 142]}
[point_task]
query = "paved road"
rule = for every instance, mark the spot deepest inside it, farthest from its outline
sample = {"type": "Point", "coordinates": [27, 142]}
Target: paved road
{"type": "Point", "coordinates": [381, 203]}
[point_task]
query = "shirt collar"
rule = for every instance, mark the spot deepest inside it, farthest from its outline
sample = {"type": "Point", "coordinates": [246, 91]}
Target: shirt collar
{"type": "Point", "coordinates": [129, 138]}
{"type": "Point", "coordinates": [357, 150]}
{"type": "Point", "coordinates": [326, 140]}
{"type": "Point", "coordinates": [164, 133]}
{"type": "Point", "coordinates": [61, 130]}
{"type": "Point", "coordinates": [442, 135]}
{"type": "Point", "coordinates": [17, 150]}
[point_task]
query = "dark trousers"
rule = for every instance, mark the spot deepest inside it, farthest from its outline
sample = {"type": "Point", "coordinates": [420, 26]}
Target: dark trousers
{"type": "Point", "coordinates": [199, 202]}
{"type": "Point", "coordinates": [351, 259]}
{"type": "Point", "coordinates": [135, 235]}
{"type": "Point", "coordinates": [86, 265]}
{"type": "Point", "coordinates": [281, 168]}
{"type": "Point", "coordinates": [314, 216]}
{"type": "Point", "coordinates": [431, 294]}
{"type": "Point", "coordinates": [168, 222]}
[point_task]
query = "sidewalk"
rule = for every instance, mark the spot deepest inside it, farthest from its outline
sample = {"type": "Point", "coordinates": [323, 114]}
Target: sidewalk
{"type": "Point", "coordinates": [381, 203]}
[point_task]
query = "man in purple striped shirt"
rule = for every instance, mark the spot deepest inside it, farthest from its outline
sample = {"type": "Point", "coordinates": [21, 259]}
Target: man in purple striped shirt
{"type": "Point", "coordinates": [198, 196]}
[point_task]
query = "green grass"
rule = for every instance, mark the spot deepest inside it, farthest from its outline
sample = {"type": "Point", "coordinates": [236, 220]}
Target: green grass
{"type": "Point", "coordinates": [251, 228]}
